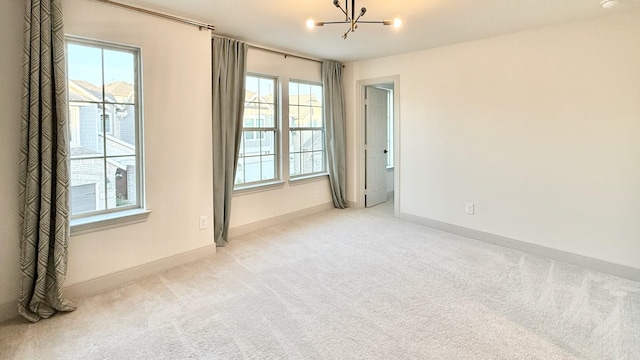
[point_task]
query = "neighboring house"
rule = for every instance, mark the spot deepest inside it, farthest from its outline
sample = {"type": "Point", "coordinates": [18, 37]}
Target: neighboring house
{"type": "Point", "coordinates": [259, 112]}
{"type": "Point", "coordinates": [308, 118]}
{"type": "Point", "coordinates": [102, 172]}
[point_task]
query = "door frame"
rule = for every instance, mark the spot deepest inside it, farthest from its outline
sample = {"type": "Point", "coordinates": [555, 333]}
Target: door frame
{"type": "Point", "coordinates": [360, 139]}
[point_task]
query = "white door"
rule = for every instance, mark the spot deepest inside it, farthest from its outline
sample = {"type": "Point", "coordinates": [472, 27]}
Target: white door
{"type": "Point", "coordinates": [376, 145]}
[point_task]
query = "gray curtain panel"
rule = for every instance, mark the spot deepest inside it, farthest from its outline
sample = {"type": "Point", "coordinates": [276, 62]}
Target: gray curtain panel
{"type": "Point", "coordinates": [44, 164]}
{"type": "Point", "coordinates": [229, 70]}
{"type": "Point", "coordinates": [335, 130]}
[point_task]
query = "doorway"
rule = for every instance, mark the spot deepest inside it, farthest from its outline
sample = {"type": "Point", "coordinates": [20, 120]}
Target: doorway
{"type": "Point", "coordinates": [378, 152]}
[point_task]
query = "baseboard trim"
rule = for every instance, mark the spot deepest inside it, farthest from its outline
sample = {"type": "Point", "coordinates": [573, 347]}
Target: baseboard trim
{"type": "Point", "coordinates": [111, 281]}
{"type": "Point", "coordinates": [107, 282]}
{"type": "Point", "coordinates": [276, 220]}
{"type": "Point", "coordinates": [559, 255]}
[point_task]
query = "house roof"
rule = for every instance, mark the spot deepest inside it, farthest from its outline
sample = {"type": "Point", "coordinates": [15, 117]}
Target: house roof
{"type": "Point", "coordinates": [120, 90]}
{"type": "Point", "coordinates": [116, 92]}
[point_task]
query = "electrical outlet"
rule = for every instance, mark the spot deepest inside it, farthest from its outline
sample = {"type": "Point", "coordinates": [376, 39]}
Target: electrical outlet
{"type": "Point", "coordinates": [469, 208]}
{"type": "Point", "coordinates": [203, 222]}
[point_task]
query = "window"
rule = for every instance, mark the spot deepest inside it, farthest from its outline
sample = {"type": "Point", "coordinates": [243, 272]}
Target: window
{"type": "Point", "coordinates": [104, 126]}
{"type": "Point", "coordinates": [257, 161]}
{"type": "Point", "coordinates": [306, 129]}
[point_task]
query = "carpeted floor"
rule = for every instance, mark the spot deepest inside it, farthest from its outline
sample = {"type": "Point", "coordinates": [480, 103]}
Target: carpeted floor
{"type": "Point", "coordinates": [349, 284]}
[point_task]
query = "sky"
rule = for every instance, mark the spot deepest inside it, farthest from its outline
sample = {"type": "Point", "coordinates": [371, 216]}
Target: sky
{"type": "Point", "coordinates": [86, 63]}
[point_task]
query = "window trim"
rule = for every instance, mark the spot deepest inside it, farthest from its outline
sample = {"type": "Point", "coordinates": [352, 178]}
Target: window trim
{"type": "Point", "coordinates": [96, 220]}
{"type": "Point", "coordinates": [106, 221]}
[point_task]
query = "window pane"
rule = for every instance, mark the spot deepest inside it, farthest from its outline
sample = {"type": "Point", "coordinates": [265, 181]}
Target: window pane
{"type": "Point", "coordinates": [318, 140]}
{"type": "Point", "coordinates": [316, 116]}
{"type": "Point", "coordinates": [121, 140]}
{"type": "Point", "coordinates": [241, 154]}
{"type": "Point", "coordinates": [240, 171]}
{"type": "Point", "coordinates": [294, 141]}
{"type": "Point", "coordinates": [294, 164]}
{"type": "Point", "coordinates": [304, 93]}
{"type": "Point", "coordinates": [307, 163]}
{"type": "Point", "coordinates": [293, 116]}
{"type": "Point", "coordinates": [83, 198]}
{"type": "Point", "coordinates": [293, 93]}
{"type": "Point", "coordinates": [268, 167]}
{"type": "Point", "coordinates": [316, 95]}
{"type": "Point", "coordinates": [87, 129]}
{"type": "Point", "coordinates": [304, 116]}
{"type": "Point", "coordinates": [252, 169]}
{"type": "Point", "coordinates": [318, 161]}
{"type": "Point", "coordinates": [251, 143]}
{"type": "Point", "coordinates": [84, 72]}
{"type": "Point", "coordinates": [84, 172]}
{"type": "Point", "coordinates": [268, 143]}
{"type": "Point", "coordinates": [306, 140]}
{"type": "Point", "coordinates": [251, 88]}
{"type": "Point", "coordinates": [266, 92]}
{"type": "Point", "coordinates": [267, 116]}
{"type": "Point", "coordinates": [251, 114]}
{"type": "Point", "coordinates": [121, 180]}
{"type": "Point", "coordinates": [119, 75]}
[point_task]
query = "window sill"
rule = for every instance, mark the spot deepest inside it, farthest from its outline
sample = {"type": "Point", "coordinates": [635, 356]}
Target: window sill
{"type": "Point", "coordinates": [108, 221]}
{"type": "Point", "coordinates": [256, 188]}
{"type": "Point", "coordinates": [308, 179]}
{"type": "Point", "coordinates": [390, 168]}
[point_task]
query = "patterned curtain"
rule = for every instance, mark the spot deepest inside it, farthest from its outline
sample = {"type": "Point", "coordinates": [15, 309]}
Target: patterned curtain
{"type": "Point", "coordinates": [44, 169]}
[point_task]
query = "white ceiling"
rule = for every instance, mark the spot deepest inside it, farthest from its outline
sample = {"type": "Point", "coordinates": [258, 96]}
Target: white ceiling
{"type": "Point", "coordinates": [426, 23]}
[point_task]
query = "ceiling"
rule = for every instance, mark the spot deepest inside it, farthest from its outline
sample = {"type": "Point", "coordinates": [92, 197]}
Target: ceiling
{"type": "Point", "coordinates": [426, 23]}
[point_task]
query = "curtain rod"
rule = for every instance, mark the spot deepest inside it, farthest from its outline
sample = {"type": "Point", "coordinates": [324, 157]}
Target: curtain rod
{"type": "Point", "coordinates": [197, 24]}
{"type": "Point", "coordinates": [273, 51]}
{"type": "Point", "coordinates": [286, 55]}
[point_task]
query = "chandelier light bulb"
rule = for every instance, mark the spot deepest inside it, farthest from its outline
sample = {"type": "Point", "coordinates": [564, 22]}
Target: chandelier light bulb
{"type": "Point", "coordinates": [397, 23]}
{"type": "Point", "coordinates": [311, 23]}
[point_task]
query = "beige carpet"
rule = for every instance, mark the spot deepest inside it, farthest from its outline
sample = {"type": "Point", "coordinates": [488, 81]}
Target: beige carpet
{"type": "Point", "coordinates": [349, 284]}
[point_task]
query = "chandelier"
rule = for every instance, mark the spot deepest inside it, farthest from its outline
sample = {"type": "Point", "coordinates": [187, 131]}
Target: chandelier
{"type": "Point", "coordinates": [351, 19]}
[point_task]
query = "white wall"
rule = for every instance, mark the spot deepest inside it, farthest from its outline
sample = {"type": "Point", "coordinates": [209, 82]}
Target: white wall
{"type": "Point", "coordinates": [177, 133]}
{"type": "Point", "coordinates": [539, 129]}
{"type": "Point", "coordinates": [290, 197]}
{"type": "Point", "coordinates": [11, 23]}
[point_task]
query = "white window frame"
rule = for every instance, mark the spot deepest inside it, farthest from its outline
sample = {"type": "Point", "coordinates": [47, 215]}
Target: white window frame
{"type": "Point", "coordinates": [119, 215]}
{"type": "Point", "coordinates": [303, 175]}
{"type": "Point", "coordinates": [277, 151]}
